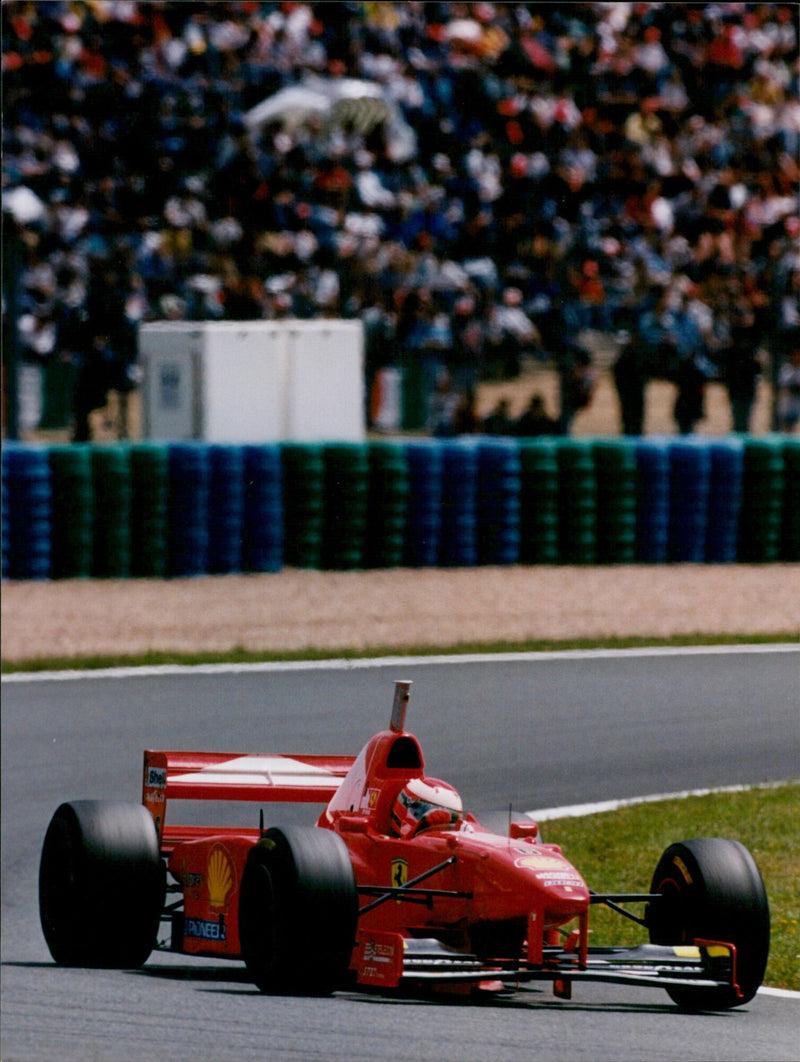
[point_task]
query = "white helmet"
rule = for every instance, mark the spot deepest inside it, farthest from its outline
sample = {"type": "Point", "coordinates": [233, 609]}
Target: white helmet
{"type": "Point", "coordinates": [423, 803]}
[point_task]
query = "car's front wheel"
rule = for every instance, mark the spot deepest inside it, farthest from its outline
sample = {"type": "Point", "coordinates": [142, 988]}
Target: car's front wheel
{"type": "Point", "coordinates": [711, 889]}
{"type": "Point", "coordinates": [298, 910]}
{"type": "Point", "coordinates": [101, 884]}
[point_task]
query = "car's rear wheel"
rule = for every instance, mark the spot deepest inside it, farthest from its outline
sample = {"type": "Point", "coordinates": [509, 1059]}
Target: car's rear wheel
{"type": "Point", "coordinates": [298, 910]}
{"type": "Point", "coordinates": [101, 884]}
{"type": "Point", "coordinates": [711, 889]}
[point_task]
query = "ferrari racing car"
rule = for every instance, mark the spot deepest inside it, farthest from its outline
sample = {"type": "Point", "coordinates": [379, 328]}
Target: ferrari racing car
{"type": "Point", "coordinates": [394, 887]}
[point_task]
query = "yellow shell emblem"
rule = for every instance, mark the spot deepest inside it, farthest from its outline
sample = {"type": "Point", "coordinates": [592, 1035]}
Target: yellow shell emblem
{"type": "Point", "coordinates": [220, 878]}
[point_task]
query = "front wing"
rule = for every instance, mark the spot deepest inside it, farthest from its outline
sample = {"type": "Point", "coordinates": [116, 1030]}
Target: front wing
{"type": "Point", "coordinates": [389, 960]}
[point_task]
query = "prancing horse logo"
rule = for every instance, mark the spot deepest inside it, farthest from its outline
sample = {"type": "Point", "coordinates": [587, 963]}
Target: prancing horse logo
{"type": "Point", "coordinates": [399, 873]}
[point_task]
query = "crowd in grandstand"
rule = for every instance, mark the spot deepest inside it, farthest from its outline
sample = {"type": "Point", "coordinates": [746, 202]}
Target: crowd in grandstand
{"type": "Point", "coordinates": [630, 168]}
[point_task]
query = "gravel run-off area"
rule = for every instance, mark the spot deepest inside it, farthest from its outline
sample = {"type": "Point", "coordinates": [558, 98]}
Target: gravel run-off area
{"type": "Point", "coordinates": [396, 609]}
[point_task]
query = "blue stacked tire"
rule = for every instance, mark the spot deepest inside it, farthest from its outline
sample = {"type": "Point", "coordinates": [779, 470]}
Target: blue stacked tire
{"type": "Point", "coordinates": [424, 518]}
{"type": "Point", "coordinates": [26, 475]}
{"type": "Point", "coordinates": [690, 488]}
{"type": "Point", "coordinates": [111, 476]}
{"type": "Point", "coordinates": [652, 500]}
{"type": "Point", "coordinates": [761, 519]}
{"type": "Point", "coordinates": [615, 469]}
{"type": "Point", "coordinates": [303, 503]}
{"type": "Point", "coordinates": [577, 502]}
{"type": "Point", "coordinates": [458, 546]}
{"type": "Point", "coordinates": [72, 511]}
{"type": "Point", "coordinates": [149, 501]}
{"type": "Point", "coordinates": [187, 528]}
{"type": "Point", "coordinates": [387, 505]}
{"type": "Point", "coordinates": [790, 530]}
{"type": "Point", "coordinates": [346, 493]}
{"type": "Point", "coordinates": [539, 537]}
{"type": "Point", "coordinates": [499, 504]}
{"type": "Point", "coordinates": [263, 508]}
{"type": "Point", "coordinates": [725, 500]}
{"type": "Point", "coordinates": [225, 508]}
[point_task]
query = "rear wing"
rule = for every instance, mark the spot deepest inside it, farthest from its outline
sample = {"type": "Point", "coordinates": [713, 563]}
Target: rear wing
{"type": "Point", "coordinates": [238, 776]}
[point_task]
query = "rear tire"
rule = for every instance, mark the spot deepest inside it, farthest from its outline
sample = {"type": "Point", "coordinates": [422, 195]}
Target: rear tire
{"type": "Point", "coordinates": [298, 910]}
{"type": "Point", "coordinates": [711, 889]}
{"type": "Point", "coordinates": [101, 885]}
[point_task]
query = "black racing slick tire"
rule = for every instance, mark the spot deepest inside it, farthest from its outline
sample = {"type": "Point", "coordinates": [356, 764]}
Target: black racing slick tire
{"type": "Point", "coordinates": [101, 885]}
{"type": "Point", "coordinates": [298, 911]}
{"type": "Point", "coordinates": [711, 889]}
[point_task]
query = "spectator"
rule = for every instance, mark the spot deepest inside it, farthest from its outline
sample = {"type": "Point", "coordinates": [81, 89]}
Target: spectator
{"type": "Point", "coordinates": [576, 158]}
{"type": "Point", "coordinates": [630, 373]}
{"type": "Point", "coordinates": [742, 368]}
{"type": "Point", "coordinates": [789, 386]}
{"type": "Point", "coordinates": [577, 384]}
{"type": "Point", "coordinates": [511, 333]}
{"type": "Point", "coordinates": [499, 421]}
{"type": "Point", "coordinates": [445, 407]}
{"type": "Point", "coordinates": [534, 419]}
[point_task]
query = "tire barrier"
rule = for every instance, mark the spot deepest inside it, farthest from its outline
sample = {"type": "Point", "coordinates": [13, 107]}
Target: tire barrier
{"type": "Point", "coordinates": [652, 500]}
{"type": "Point", "coordinates": [27, 512]}
{"type": "Point", "coordinates": [346, 489]}
{"type": "Point", "coordinates": [458, 544]}
{"type": "Point", "coordinates": [387, 505]}
{"type": "Point", "coordinates": [303, 504]}
{"type": "Point", "coordinates": [425, 460]}
{"type": "Point", "coordinates": [181, 509]}
{"type": "Point", "coordinates": [790, 532]}
{"type": "Point", "coordinates": [187, 512]}
{"type": "Point", "coordinates": [539, 529]}
{"type": "Point", "coordinates": [615, 471]}
{"type": "Point", "coordinates": [690, 487]}
{"type": "Point", "coordinates": [150, 491]}
{"type": "Point", "coordinates": [577, 502]}
{"type": "Point", "coordinates": [725, 500]}
{"type": "Point", "coordinates": [111, 481]}
{"type": "Point", "coordinates": [262, 545]}
{"type": "Point", "coordinates": [226, 490]}
{"type": "Point", "coordinates": [498, 502]}
{"type": "Point", "coordinates": [72, 493]}
{"type": "Point", "coordinates": [761, 519]}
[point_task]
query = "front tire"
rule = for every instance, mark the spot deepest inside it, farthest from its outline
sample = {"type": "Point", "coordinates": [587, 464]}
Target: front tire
{"type": "Point", "coordinates": [101, 885]}
{"type": "Point", "coordinates": [298, 910]}
{"type": "Point", "coordinates": [711, 889]}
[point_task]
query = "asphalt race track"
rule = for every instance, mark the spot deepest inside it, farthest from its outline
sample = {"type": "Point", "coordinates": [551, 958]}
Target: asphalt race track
{"type": "Point", "coordinates": [538, 731]}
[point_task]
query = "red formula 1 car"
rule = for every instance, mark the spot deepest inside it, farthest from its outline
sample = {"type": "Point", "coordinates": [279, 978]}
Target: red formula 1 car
{"type": "Point", "coordinates": [394, 887]}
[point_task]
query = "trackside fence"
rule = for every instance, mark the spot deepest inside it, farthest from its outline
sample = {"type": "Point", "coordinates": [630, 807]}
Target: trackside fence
{"type": "Point", "coordinates": [143, 509]}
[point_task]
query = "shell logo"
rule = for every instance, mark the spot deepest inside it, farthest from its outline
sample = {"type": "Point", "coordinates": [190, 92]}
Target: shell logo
{"type": "Point", "coordinates": [540, 862]}
{"type": "Point", "coordinates": [220, 878]}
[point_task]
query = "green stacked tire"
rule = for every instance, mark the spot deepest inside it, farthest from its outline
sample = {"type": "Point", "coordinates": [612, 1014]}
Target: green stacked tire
{"type": "Point", "coordinates": [616, 478]}
{"type": "Point", "coordinates": [111, 474]}
{"type": "Point", "coordinates": [539, 542]}
{"type": "Point", "coordinates": [577, 502]}
{"type": "Point", "coordinates": [303, 469]}
{"type": "Point", "coordinates": [72, 511]}
{"type": "Point", "coordinates": [760, 518]}
{"type": "Point", "coordinates": [387, 505]}
{"type": "Point", "coordinates": [346, 493]}
{"type": "Point", "coordinates": [790, 531]}
{"type": "Point", "coordinates": [149, 500]}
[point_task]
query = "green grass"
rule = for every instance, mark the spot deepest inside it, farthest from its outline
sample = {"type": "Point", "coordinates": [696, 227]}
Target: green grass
{"type": "Point", "coordinates": [244, 656]}
{"type": "Point", "coordinates": [617, 851]}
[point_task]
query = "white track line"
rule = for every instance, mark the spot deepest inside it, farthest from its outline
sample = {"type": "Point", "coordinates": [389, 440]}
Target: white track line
{"type": "Point", "coordinates": [575, 811]}
{"type": "Point", "coordinates": [340, 664]}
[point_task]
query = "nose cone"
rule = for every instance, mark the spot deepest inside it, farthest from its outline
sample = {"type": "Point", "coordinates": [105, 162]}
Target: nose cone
{"type": "Point", "coordinates": [560, 888]}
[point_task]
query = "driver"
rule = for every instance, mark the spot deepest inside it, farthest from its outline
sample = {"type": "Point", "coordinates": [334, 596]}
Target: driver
{"type": "Point", "coordinates": [424, 803]}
